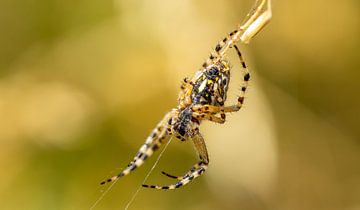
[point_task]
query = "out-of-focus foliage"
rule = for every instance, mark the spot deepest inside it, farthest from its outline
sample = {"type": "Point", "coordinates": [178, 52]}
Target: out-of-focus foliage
{"type": "Point", "coordinates": [83, 82]}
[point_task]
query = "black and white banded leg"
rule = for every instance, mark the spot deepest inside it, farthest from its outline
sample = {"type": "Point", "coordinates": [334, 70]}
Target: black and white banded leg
{"type": "Point", "coordinates": [221, 47]}
{"type": "Point", "coordinates": [193, 168]}
{"type": "Point", "coordinates": [244, 86]}
{"type": "Point", "coordinates": [160, 135]}
{"type": "Point", "coordinates": [197, 170]}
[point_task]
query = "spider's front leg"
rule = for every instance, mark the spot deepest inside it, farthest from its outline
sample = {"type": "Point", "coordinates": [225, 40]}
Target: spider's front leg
{"type": "Point", "coordinates": [197, 170]}
{"type": "Point", "coordinates": [244, 86]}
{"type": "Point", "coordinates": [185, 93]}
{"type": "Point", "coordinates": [158, 136]}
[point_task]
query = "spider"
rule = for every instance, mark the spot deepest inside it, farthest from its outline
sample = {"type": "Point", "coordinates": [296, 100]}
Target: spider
{"type": "Point", "coordinates": [202, 98]}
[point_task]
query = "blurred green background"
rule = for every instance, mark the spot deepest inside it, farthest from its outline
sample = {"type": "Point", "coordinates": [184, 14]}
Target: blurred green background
{"type": "Point", "coordinates": [82, 83]}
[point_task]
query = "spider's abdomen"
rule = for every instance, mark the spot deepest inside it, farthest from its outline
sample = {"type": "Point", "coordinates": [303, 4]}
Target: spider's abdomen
{"type": "Point", "coordinates": [212, 85]}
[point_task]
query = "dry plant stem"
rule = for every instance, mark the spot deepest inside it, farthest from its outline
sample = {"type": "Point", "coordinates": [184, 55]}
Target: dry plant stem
{"type": "Point", "coordinates": [257, 20]}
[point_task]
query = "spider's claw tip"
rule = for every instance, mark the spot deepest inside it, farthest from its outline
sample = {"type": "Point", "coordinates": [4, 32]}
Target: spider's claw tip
{"type": "Point", "coordinates": [145, 185]}
{"type": "Point", "coordinates": [102, 183]}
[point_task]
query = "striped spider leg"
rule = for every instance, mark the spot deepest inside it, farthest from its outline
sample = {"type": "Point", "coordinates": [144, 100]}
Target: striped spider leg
{"type": "Point", "coordinates": [160, 135]}
{"type": "Point", "coordinates": [254, 22]}
{"type": "Point", "coordinates": [195, 171]}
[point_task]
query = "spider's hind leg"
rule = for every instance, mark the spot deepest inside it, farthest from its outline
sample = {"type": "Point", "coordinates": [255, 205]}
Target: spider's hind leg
{"type": "Point", "coordinates": [197, 170]}
{"type": "Point", "coordinates": [172, 176]}
{"type": "Point", "coordinates": [183, 180]}
{"type": "Point", "coordinates": [158, 136]}
{"type": "Point", "coordinates": [194, 168]}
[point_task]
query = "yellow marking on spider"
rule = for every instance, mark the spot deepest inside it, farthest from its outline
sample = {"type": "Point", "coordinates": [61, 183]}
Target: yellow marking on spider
{"type": "Point", "coordinates": [202, 86]}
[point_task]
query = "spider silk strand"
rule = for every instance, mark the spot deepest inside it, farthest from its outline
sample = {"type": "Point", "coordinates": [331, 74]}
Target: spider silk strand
{"type": "Point", "coordinates": [103, 194]}
{"type": "Point", "coordinates": [147, 176]}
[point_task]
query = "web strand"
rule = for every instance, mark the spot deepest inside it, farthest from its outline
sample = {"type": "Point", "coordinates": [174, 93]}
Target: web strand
{"type": "Point", "coordinates": [102, 195]}
{"type": "Point", "coordinates": [147, 176]}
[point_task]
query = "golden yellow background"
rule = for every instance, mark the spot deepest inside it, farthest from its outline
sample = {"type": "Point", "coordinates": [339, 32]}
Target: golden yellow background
{"type": "Point", "coordinates": [82, 83]}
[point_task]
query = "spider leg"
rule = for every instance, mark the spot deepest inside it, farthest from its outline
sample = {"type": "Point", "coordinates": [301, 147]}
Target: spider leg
{"type": "Point", "coordinates": [158, 136]}
{"type": "Point", "coordinates": [172, 176]}
{"type": "Point", "coordinates": [209, 116]}
{"type": "Point", "coordinates": [186, 83]}
{"type": "Point", "coordinates": [184, 98]}
{"type": "Point", "coordinates": [221, 47]}
{"type": "Point", "coordinates": [195, 167]}
{"type": "Point", "coordinates": [246, 79]}
{"type": "Point", "coordinates": [198, 169]}
{"type": "Point", "coordinates": [199, 108]}
{"type": "Point", "coordinates": [256, 20]}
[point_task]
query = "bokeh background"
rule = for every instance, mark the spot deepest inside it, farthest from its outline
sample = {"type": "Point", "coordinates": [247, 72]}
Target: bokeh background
{"type": "Point", "coordinates": [82, 83]}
